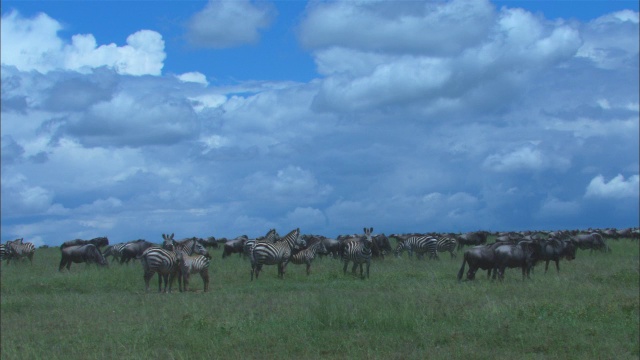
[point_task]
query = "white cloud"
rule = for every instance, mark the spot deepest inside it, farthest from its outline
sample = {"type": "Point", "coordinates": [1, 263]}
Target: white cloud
{"type": "Point", "coordinates": [194, 76]}
{"type": "Point", "coordinates": [34, 44]}
{"type": "Point", "coordinates": [223, 24]}
{"type": "Point", "coordinates": [289, 185]}
{"type": "Point", "coordinates": [616, 188]}
{"type": "Point", "coordinates": [525, 158]}
{"type": "Point", "coordinates": [612, 41]}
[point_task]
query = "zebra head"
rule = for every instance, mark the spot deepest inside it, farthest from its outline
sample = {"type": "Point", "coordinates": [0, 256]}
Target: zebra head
{"type": "Point", "coordinates": [169, 242]}
{"type": "Point", "coordinates": [367, 239]}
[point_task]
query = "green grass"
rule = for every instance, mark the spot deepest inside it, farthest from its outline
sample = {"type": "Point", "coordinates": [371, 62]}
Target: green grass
{"type": "Point", "coordinates": [408, 309]}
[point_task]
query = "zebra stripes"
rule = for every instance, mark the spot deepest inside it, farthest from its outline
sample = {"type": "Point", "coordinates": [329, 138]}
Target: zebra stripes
{"type": "Point", "coordinates": [358, 251]}
{"type": "Point", "coordinates": [446, 244]}
{"type": "Point", "coordinates": [3, 252]}
{"type": "Point", "coordinates": [161, 261]}
{"type": "Point", "coordinates": [115, 251]}
{"type": "Point", "coordinates": [279, 253]}
{"type": "Point", "coordinates": [16, 249]}
{"type": "Point", "coordinates": [198, 264]}
{"type": "Point", "coordinates": [307, 255]}
{"type": "Point", "coordinates": [418, 244]}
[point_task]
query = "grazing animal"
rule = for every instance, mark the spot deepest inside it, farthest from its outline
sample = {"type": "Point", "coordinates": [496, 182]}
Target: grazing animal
{"type": "Point", "coordinates": [271, 237]}
{"type": "Point", "coordinates": [162, 261]}
{"type": "Point", "coordinates": [196, 264]}
{"type": "Point", "coordinates": [88, 253]}
{"type": "Point", "coordinates": [235, 246]}
{"type": "Point", "coordinates": [133, 249]}
{"type": "Point", "coordinates": [3, 252]}
{"type": "Point", "coordinates": [17, 249]}
{"type": "Point", "coordinates": [591, 241]}
{"type": "Point", "coordinates": [307, 255]}
{"type": "Point", "coordinates": [472, 238]}
{"type": "Point", "coordinates": [556, 249]}
{"type": "Point", "coordinates": [278, 253]}
{"type": "Point", "coordinates": [419, 244]}
{"type": "Point", "coordinates": [523, 255]}
{"type": "Point", "coordinates": [115, 251]}
{"type": "Point", "coordinates": [98, 242]}
{"type": "Point", "coordinates": [448, 244]}
{"type": "Point", "coordinates": [381, 245]}
{"type": "Point", "coordinates": [478, 257]}
{"type": "Point", "coordinates": [357, 251]}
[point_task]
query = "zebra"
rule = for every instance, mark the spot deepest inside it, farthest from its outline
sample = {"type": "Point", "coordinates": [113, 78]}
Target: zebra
{"type": "Point", "coordinates": [161, 260]}
{"type": "Point", "coordinates": [278, 253]}
{"type": "Point", "coordinates": [115, 251]}
{"type": "Point", "coordinates": [3, 252]}
{"type": "Point", "coordinates": [191, 265]}
{"type": "Point", "coordinates": [447, 244]}
{"type": "Point", "coordinates": [272, 236]}
{"type": "Point", "coordinates": [358, 251]}
{"type": "Point", "coordinates": [17, 249]}
{"type": "Point", "coordinates": [419, 244]}
{"type": "Point", "coordinates": [307, 255]}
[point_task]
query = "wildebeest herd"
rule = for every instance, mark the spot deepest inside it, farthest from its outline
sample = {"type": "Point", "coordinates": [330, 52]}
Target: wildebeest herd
{"type": "Point", "coordinates": [182, 258]}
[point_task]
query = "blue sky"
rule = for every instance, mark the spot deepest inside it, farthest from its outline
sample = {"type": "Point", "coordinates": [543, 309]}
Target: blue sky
{"type": "Point", "coordinates": [135, 118]}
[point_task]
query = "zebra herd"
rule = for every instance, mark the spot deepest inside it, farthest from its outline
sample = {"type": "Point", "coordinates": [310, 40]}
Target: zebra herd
{"type": "Point", "coordinates": [189, 256]}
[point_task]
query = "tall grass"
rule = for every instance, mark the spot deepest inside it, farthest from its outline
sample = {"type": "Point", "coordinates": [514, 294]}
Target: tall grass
{"type": "Point", "coordinates": [408, 309]}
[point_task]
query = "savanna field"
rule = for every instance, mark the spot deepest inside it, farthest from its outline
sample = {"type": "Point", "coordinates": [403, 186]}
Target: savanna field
{"type": "Point", "coordinates": [407, 309]}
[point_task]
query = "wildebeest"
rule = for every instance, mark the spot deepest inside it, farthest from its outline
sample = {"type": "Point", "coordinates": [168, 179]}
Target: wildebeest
{"type": "Point", "coordinates": [591, 241]}
{"type": "Point", "coordinates": [478, 257]}
{"type": "Point", "coordinates": [556, 249]}
{"type": "Point", "coordinates": [98, 242]}
{"type": "Point", "coordinates": [522, 255]}
{"type": "Point", "coordinates": [235, 246]}
{"type": "Point", "coordinates": [88, 253]}
{"type": "Point", "coordinates": [472, 238]}
{"type": "Point", "coordinates": [380, 246]}
{"type": "Point", "coordinates": [133, 249]}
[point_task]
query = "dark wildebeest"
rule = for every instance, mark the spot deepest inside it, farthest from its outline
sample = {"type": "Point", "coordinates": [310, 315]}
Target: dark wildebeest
{"type": "Point", "coordinates": [88, 253]}
{"type": "Point", "coordinates": [235, 246]}
{"type": "Point", "coordinates": [478, 257]}
{"type": "Point", "coordinates": [98, 242]}
{"type": "Point", "coordinates": [591, 241]}
{"type": "Point", "coordinates": [133, 249]}
{"type": "Point", "coordinates": [332, 246]}
{"type": "Point", "coordinates": [523, 255]}
{"type": "Point", "coordinates": [556, 249]}
{"type": "Point", "coordinates": [472, 238]}
{"type": "Point", "coordinates": [382, 246]}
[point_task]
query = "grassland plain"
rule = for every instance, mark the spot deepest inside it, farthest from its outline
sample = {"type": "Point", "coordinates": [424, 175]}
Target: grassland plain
{"type": "Point", "coordinates": [408, 309]}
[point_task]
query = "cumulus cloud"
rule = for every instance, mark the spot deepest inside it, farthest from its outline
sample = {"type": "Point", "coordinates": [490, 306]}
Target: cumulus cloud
{"type": "Point", "coordinates": [290, 185]}
{"type": "Point", "coordinates": [195, 77]}
{"type": "Point", "coordinates": [223, 24]}
{"type": "Point", "coordinates": [525, 158]}
{"type": "Point", "coordinates": [616, 188]}
{"type": "Point", "coordinates": [34, 44]}
{"type": "Point", "coordinates": [611, 41]}
{"type": "Point", "coordinates": [367, 70]}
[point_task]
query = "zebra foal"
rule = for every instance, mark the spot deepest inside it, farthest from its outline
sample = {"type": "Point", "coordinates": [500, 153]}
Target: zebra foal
{"type": "Point", "coordinates": [198, 264]}
{"type": "Point", "coordinates": [307, 255]}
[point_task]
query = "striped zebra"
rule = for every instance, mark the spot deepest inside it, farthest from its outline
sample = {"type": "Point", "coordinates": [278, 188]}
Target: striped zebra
{"type": "Point", "coordinates": [307, 255]}
{"type": "Point", "coordinates": [16, 249]}
{"type": "Point", "coordinates": [278, 253]}
{"type": "Point", "coordinates": [358, 251]}
{"type": "Point", "coordinates": [418, 244]}
{"type": "Point", "coordinates": [161, 260]}
{"type": "Point", "coordinates": [3, 252]}
{"type": "Point", "coordinates": [191, 265]}
{"type": "Point", "coordinates": [447, 244]}
{"type": "Point", "coordinates": [271, 237]}
{"type": "Point", "coordinates": [115, 251]}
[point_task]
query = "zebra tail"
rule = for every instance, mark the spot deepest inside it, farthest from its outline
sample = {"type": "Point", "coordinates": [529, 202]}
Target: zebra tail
{"type": "Point", "coordinates": [461, 272]}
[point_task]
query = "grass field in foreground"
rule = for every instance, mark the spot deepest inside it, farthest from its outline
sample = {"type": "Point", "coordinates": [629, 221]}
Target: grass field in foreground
{"type": "Point", "coordinates": [408, 309]}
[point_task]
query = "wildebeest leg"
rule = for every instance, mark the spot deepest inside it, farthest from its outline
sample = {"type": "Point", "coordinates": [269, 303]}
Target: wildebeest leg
{"type": "Point", "coordinates": [557, 265]}
{"type": "Point", "coordinates": [62, 263]}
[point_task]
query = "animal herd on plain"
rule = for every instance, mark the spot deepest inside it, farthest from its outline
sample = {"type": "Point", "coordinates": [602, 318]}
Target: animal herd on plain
{"type": "Point", "coordinates": [183, 258]}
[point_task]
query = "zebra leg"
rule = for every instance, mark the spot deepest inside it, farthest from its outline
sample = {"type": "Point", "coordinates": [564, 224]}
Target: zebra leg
{"type": "Point", "coordinates": [204, 274]}
{"type": "Point", "coordinates": [147, 277]}
{"type": "Point", "coordinates": [354, 267]}
{"type": "Point", "coordinates": [308, 268]}
{"type": "Point", "coordinates": [368, 264]}
{"type": "Point", "coordinates": [346, 263]}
